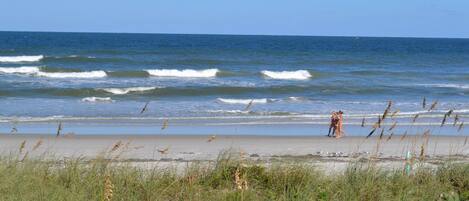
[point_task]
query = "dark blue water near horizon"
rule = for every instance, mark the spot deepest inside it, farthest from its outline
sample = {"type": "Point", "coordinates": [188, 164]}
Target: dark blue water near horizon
{"type": "Point", "coordinates": [105, 75]}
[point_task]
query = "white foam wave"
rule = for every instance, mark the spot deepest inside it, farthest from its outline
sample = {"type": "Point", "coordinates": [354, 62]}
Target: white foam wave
{"type": "Point", "coordinates": [122, 91]}
{"type": "Point", "coordinates": [89, 74]}
{"type": "Point", "coordinates": [97, 99]}
{"type": "Point", "coordinates": [288, 75]}
{"type": "Point", "coordinates": [244, 101]}
{"type": "Point", "coordinates": [20, 70]}
{"type": "Point", "coordinates": [457, 86]}
{"type": "Point", "coordinates": [229, 111]}
{"type": "Point", "coordinates": [183, 73]}
{"type": "Point", "coordinates": [16, 59]}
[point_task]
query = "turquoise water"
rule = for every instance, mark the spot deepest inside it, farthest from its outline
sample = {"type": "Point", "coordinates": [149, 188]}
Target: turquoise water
{"type": "Point", "coordinates": [48, 77]}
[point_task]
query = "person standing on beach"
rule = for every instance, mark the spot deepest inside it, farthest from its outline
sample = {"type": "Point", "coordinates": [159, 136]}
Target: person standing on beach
{"type": "Point", "coordinates": [339, 125]}
{"type": "Point", "coordinates": [334, 124]}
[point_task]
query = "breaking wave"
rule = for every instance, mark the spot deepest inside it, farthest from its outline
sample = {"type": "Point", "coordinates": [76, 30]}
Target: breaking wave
{"type": "Point", "coordinates": [183, 73]}
{"type": "Point", "coordinates": [97, 99]}
{"type": "Point", "coordinates": [288, 75]}
{"type": "Point", "coordinates": [20, 70]}
{"type": "Point", "coordinates": [122, 91]}
{"type": "Point", "coordinates": [89, 74]}
{"type": "Point", "coordinates": [244, 101]}
{"type": "Point", "coordinates": [17, 59]}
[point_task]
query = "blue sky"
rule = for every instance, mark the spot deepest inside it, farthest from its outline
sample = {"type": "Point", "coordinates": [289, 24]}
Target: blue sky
{"type": "Point", "coordinates": [401, 18]}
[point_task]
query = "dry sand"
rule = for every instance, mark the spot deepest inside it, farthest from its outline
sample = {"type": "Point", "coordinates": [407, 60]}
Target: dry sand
{"type": "Point", "coordinates": [265, 148]}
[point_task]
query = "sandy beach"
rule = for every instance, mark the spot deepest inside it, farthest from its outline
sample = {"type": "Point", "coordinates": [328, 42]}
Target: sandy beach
{"type": "Point", "coordinates": [176, 149]}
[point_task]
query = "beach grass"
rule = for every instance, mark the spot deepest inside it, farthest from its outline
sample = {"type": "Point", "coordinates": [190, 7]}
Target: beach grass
{"type": "Point", "coordinates": [228, 178]}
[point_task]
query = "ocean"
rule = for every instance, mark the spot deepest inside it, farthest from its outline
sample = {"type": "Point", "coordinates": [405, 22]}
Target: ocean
{"type": "Point", "coordinates": [244, 83]}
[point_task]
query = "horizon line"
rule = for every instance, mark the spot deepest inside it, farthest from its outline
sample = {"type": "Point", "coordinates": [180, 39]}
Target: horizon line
{"type": "Point", "coordinates": [234, 34]}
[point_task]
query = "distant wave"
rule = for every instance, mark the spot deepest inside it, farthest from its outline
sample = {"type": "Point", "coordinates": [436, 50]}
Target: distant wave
{"type": "Point", "coordinates": [288, 75]}
{"type": "Point", "coordinates": [37, 71]}
{"type": "Point", "coordinates": [456, 86]}
{"type": "Point", "coordinates": [88, 74]}
{"type": "Point", "coordinates": [97, 99]}
{"type": "Point", "coordinates": [17, 59]}
{"type": "Point", "coordinates": [20, 70]}
{"type": "Point", "coordinates": [183, 73]}
{"type": "Point", "coordinates": [244, 101]}
{"type": "Point", "coordinates": [122, 91]}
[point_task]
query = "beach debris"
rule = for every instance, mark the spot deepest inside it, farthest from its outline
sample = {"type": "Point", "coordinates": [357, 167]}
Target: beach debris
{"type": "Point", "coordinates": [165, 124]}
{"type": "Point", "coordinates": [211, 138]}
{"type": "Point", "coordinates": [371, 133]}
{"type": "Point", "coordinates": [415, 118]}
{"type": "Point", "coordinates": [408, 163]}
{"type": "Point", "coordinates": [22, 145]}
{"type": "Point", "coordinates": [59, 129]}
{"type": "Point", "coordinates": [456, 119]}
{"type": "Point", "coordinates": [424, 103]}
{"type": "Point", "coordinates": [249, 105]}
{"type": "Point", "coordinates": [144, 109]}
{"type": "Point", "coordinates": [461, 126]}
{"type": "Point", "coordinates": [37, 145]}
{"type": "Point", "coordinates": [433, 106]}
{"type": "Point", "coordinates": [363, 122]}
{"type": "Point", "coordinates": [108, 188]}
{"type": "Point", "coordinates": [241, 183]}
{"type": "Point", "coordinates": [393, 126]}
{"type": "Point", "coordinates": [163, 151]}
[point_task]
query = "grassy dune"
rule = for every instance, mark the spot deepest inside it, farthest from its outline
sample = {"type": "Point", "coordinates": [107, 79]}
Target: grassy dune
{"type": "Point", "coordinates": [226, 179]}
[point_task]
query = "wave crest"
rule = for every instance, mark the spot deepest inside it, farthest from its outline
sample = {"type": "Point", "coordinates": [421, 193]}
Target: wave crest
{"type": "Point", "coordinates": [288, 75]}
{"type": "Point", "coordinates": [88, 74]}
{"type": "Point", "coordinates": [97, 99]}
{"type": "Point", "coordinates": [122, 91]}
{"type": "Point", "coordinates": [244, 101]}
{"type": "Point", "coordinates": [20, 70]}
{"type": "Point", "coordinates": [183, 73]}
{"type": "Point", "coordinates": [16, 59]}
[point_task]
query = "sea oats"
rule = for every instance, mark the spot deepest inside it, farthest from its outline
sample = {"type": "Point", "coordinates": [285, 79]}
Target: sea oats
{"type": "Point", "coordinates": [108, 188]}
{"type": "Point", "coordinates": [433, 106]}
{"type": "Point", "coordinates": [461, 126]}
{"type": "Point", "coordinates": [37, 145]}
{"type": "Point", "coordinates": [371, 133]}
{"type": "Point", "coordinates": [415, 118]}
{"type": "Point", "coordinates": [424, 103]}
{"type": "Point", "coordinates": [116, 146]}
{"type": "Point", "coordinates": [163, 151]}
{"type": "Point", "coordinates": [144, 109]}
{"type": "Point", "coordinates": [393, 126]}
{"type": "Point", "coordinates": [403, 136]}
{"type": "Point", "coordinates": [456, 119]}
{"type": "Point", "coordinates": [249, 105]}
{"type": "Point", "coordinates": [165, 124]}
{"type": "Point", "coordinates": [211, 138]}
{"type": "Point", "coordinates": [363, 122]}
{"type": "Point", "coordinates": [59, 129]}
{"type": "Point", "coordinates": [22, 145]}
